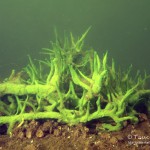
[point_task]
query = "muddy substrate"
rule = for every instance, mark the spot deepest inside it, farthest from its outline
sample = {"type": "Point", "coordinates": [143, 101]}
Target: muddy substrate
{"type": "Point", "coordinates": [51, 135]}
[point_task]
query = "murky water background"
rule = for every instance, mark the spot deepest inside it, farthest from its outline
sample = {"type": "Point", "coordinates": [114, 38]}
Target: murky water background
{"type": "Point", "coordinates": [122, 27]}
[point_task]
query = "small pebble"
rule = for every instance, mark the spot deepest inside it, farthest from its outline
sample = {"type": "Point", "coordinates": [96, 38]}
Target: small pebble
{"type": "Point", "coordinates": [57, 132]}
{"type": "Point", "coordinates": [39, 133]}
{"type": "Point", "coordinates": [21, 135]}
{"type": "Point", "coordinates": [29, 134]}
{"type": "Point", "coordinates": [113, 140]}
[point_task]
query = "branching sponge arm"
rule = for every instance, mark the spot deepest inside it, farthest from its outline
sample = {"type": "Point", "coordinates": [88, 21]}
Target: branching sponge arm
{"type": "Point", "coordinates": [73, 86]}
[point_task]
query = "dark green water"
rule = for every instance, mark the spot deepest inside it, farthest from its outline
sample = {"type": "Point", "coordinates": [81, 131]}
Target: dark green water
{"type": "Point", "coordinates": [122, 27]}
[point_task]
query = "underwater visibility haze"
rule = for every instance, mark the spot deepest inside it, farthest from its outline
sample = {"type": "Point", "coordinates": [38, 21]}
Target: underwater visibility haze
{"type": "Point", "coordinates": [120, 27]}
